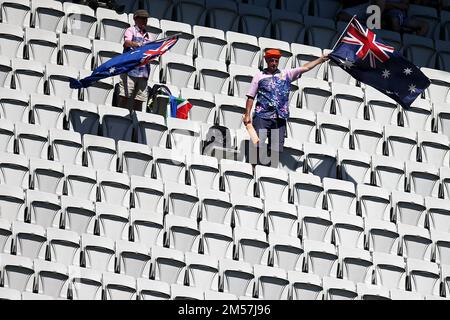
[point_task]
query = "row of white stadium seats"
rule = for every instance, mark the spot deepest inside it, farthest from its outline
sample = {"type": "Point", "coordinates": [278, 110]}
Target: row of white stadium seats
{"type": "Point", "coordinates": [230, 47]}
{"type": "Point", "coordinates": [187, 141]}
{"type": "Point", "coordinates": [109, 25]}
{"type": "Point", "coordinates": [187, 137]}
{"type": "Point", "coordinates": [167, 266]}
{"type": "Point", "coordinates": [213, 205]}
{"type": "Point", "coordinates": [248, 216]}
{"type": "Point", "coordinates": [316, 31]}
{"type": "Point", "coordinates": [313, 96]}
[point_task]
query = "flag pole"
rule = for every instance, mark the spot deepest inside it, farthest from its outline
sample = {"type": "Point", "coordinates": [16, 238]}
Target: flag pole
{"type": "Point", "coordinates": [343, 32]}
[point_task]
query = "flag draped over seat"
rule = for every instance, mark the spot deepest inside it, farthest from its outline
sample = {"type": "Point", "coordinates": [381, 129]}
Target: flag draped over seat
{"type": "Point", "coordinates": [126, 62]}
{"type": "Point", "coordinates": [366, 58]}
{"type": "Point", "coordinates": [179, 107]}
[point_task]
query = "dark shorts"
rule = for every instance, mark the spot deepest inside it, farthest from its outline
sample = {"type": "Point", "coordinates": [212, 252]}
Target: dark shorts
{"type": "Point", "coordinates": [273, 129]}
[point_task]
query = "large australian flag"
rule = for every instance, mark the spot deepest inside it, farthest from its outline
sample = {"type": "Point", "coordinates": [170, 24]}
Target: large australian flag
{"type": "Point", "coordinates": [126, 62]}
{"type": "Point", "coordinates": [361, 53]}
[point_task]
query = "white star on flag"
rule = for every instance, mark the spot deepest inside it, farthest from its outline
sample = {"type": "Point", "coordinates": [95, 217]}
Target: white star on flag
{"type": "Point", "coordinates": [386, 73]}
{"type": "Point", "coordinates": [112, 70]}
{"type": "Point", "coordinates": [347, 63]}
{"type": "Point", "coordinates": [407, 71]}
{"type": "Point", "coordinates": [412, 88]}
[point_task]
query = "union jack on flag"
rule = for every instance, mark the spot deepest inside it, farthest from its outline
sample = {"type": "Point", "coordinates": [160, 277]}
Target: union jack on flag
{"type": "Point", "coordinates": [368, 44]}
{"type": "Point", "coordinates": [126, 62]}
{"type": "Point", "coordinates": [152, 54]}
{"type": "Point", "coordinates": [369, 60]}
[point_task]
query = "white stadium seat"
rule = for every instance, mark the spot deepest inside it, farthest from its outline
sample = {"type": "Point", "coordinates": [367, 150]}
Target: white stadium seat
{"type": "Point", "coordinates": [28, 76]}
{"type": "Point", "coordinates": [202, 271]}
{"type": "Point", "coordinates": [58, 78]}
{"type": "Point", "coordinates": [47, 111]}
{"type": "Point", "coordinates": [217, 240]}
{"type": "Point", "coordinates": [168, 265]}
{"type": "Point", "coordinates": [203, 106]}
{"type": "Point", "coordinates": [100, 152]}
{"type": "Point", "coordinates": [99, 252]}
{"type": "Point", "coordinates": [85, 284]}
{"type": "Point", "coordinates": [210, 43]}
{"type": "Point", "coordinates": [48, 15]}
{"type": "Point", "coordinates": [111, 25]}
{"type": "Point", "coordinates": [47, 176]}
{"type": "Point", "coordinates": [78, 215]}
{"type": "Point", "coordinates": [12, 41]}
{"type": "Point", "coordinates": [42, 45]}
{"type": "Point", "coordinates": [185, 43]}
{"type": "Point", "coordinates": [390, 271]}
{"type": "Point", "coordinates": [64, 246]}
{"type": "Point", "coordinates": [152, 290]}
{"type": "Point", "coordinates": [18, 272]}
{"type": "Point", "coordinates": [32, 140]}
{"type": "Point", "coordinates": [14, 170]}
{"type": "Point", "coordinates": [212, 76]}
{"type": "Point", "coordinates": [114, 188]}
{"type": "Point", "coordinates": [134, 259]}
{"type": "Point", "coordinates": [271, 283]}
{"type": "Point", "coordinates": [52, 278]}
{"type": "Point", "coordinates": [12, 204]}
{"type": "Point", "coordinates": [305, 286]}
{"type": "Point", "coordinates": [248, 212]}
{"type": "Point", "coordinates": [243, 49]}
{"type": "Point", "coordinates": [118, 286]}
{"type": "Point", "coordinates": [80, 20]}
{"type": "Point", "coordinates": [237, 276]}
{"type": "Point", "coordinates": [348, 100]}
{"type": "Point", "coordinates": [178, 70]}
{"type": "Point", "coordinates": [17, 12]}
{"type": "Point", "coordinates": [30, 240]}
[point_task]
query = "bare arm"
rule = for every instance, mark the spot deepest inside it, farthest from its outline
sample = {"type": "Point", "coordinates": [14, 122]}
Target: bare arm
{"type": "Point", "coordinates": [248, 110]}
{"type": "Point", "coordinates": [312, 64]}
{"type": "Point", "coordinates": [131, 44]}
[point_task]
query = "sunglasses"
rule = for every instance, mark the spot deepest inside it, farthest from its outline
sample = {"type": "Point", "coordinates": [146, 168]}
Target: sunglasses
{"type": "Point", "coordinates": [273, 59]}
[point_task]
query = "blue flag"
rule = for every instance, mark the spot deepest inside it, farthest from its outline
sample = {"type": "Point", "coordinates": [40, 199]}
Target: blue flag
{"type": "Point", "coordinates": [367, 59]}
{"type": "Point", "coordinates": [126, 62]}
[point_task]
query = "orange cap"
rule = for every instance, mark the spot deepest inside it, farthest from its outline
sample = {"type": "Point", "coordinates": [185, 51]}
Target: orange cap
{"type": "Point", "coordinates": [272, 53]}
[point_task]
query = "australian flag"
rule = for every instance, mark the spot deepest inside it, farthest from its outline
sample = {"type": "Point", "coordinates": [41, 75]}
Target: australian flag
{"type": "Point", "coordinates": [369, 60]}
{"type": "Point", "coordinates": [126, 62]}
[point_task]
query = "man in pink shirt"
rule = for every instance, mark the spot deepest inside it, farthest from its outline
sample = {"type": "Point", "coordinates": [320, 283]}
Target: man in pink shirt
{"type": "Point", "coordinates": [133, 86]}
{"type": "Point", "coordinates": [271, 88]}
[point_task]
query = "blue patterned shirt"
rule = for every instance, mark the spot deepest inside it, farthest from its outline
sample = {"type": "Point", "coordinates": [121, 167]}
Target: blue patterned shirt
{"type": "Point", "coordinates": [272, 92]}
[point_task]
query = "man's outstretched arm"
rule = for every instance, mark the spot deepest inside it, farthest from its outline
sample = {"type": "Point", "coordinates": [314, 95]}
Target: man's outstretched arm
{"type": "Point", "coordinates": [312, 64]}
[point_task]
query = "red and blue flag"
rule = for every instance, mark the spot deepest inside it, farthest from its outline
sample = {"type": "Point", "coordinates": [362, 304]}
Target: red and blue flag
{"type": "Point", "coordinates": [367, 59]}
{"type": "Point", "coordinates": [179, 107]}
{"type": "Point", "coordinates": [126, 62]}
